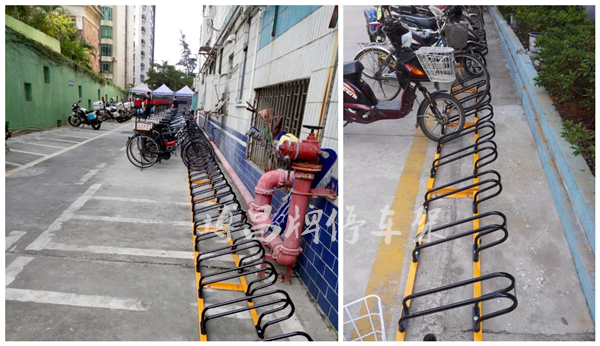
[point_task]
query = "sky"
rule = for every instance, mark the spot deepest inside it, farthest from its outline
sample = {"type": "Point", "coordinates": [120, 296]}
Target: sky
{"type": "Point", "coordinates": [170, 18]}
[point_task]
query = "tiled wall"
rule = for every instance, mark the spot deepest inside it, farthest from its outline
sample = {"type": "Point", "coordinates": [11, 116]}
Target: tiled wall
{"type": "Point", "coordinates": [317, 265]}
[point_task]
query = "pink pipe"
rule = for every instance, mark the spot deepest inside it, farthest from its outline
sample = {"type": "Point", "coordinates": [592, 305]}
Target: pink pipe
{"type": "Point", "coordinates": [260, 210]}
{"type": "Point", "coordinates": [246, 195]}
{"type": "Point", "coordinates": [284, 251]}
{"type": "Point", "coordinates": [287, 249]}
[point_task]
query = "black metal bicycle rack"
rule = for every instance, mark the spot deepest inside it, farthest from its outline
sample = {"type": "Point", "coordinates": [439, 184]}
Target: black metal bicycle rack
{"type": "Point", "coordinates": [479, 186]}
{"type": "Point", "coordinates": [231, 235]}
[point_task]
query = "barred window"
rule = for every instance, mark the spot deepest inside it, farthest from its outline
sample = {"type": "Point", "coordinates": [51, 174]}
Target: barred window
{"type": "Point", "coordinates": [106, 50]}
{"type": "Point", "coordinates": [287, 99]}
{"type": "Point", "coordinates": [106, 67]}
{"type": "Point", "coordinates": [106, 31]}
{"type": "Point", "coordinates": [106, 13]}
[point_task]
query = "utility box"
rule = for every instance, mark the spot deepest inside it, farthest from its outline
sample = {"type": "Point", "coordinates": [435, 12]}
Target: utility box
{"type": "Point", "coordinates": [98, 105]}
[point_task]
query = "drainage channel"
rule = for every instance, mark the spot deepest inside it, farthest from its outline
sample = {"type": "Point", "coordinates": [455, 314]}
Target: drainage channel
{"type": "Point", "coordinates": [480, 186]}
{"type": "Point", "coordinates": [222, 234]}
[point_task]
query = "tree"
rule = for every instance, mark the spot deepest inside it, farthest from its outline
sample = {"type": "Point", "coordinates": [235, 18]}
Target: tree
{"type": "Point", "coordinates": [54, 21]}
{"type": "Point", "coordinates": [188, 62]}
{"type": "Point", "coordinates": [169, 75]}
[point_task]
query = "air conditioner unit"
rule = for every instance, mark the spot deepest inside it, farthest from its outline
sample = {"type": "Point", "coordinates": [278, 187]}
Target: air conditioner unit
{"type": "Point", "coordinates": [230, 39]}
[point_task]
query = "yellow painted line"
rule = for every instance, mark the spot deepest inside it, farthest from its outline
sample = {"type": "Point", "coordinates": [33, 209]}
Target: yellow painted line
{"type": "Point", "coordinates": [477, 336]}
{"type": "Point", "coordinates": [387, 268]}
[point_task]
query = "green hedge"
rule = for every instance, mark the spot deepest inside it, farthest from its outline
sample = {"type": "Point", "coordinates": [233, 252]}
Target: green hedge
{"type": "Point", "coordinates": [567, 67]}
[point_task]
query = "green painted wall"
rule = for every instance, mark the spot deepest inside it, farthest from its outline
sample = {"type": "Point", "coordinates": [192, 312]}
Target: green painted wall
{"type": "Point", "coordinates": [50, 102]}
{"type": "Point", "coordinates": [32, 33]}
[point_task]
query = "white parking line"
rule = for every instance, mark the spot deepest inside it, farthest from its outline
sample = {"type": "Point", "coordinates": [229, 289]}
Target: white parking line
{"type": "Point", "coordinates": [137, 200]}
{"type": "Point", "coordinates": [42, 159]}
{"type": "Point", "coordinates": [130, 220]}
{"type": "Point", "coordinates": [26, 152]}
{"type": "Point", "coordinates": [14, 268]}
{"type": "Point", "coordinates": [68, 136]}
{"type": "Point", "coordinates": [41, 145]}
{"type": "Point", "coordinates": [73, 299]}
{"type": "Point", "coordinates": [109, 250]}
{"type": "Point", "coordinates": [12, 238]}
{"type": "Point", "coordinates": [13, 164]}
{"type": "Point", "coordinates": [90, 174]}
{"type": "Point", "coordinates": [59, 140]}
{"type": "Point", "coordinates": [44, 239]}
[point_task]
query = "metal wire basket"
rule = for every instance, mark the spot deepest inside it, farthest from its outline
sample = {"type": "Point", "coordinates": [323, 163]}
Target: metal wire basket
{"type": "Point", "coordinates": [438, 63]}
{"type": "Point", "coordinates": [366, 318]}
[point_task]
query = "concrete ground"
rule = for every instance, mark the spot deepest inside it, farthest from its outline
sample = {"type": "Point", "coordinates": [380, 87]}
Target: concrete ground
{"type": "Point", "coordinates": [387, 163]}
{"type": "Point", "coordinates": [99, 250]}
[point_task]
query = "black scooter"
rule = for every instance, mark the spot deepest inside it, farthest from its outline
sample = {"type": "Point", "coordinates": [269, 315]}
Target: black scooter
{"type": "Point", "coordinates": [82, 117]}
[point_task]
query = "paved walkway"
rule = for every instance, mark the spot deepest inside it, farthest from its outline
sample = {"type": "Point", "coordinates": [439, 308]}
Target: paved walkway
{"type": "Point", "coordinates": [387, 163]}
{"type": "Point", "coordinates": [99, 250]}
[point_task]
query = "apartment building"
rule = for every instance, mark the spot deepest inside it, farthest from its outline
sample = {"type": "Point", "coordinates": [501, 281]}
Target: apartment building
{"type": "Point", "coordinates": [126, 43]}
{"type": "Point", "coordinates": [143, 41]}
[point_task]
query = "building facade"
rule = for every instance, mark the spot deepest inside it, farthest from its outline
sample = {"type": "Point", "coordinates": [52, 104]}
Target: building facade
{"type": "Point", "coordinates": [88, 19]}
{"type": "Point", "coordinates": [285, 58]}
{"type": "Point", "coordinates": [143, 22]}
{"type": "Point", "coordinates": [126, 43]}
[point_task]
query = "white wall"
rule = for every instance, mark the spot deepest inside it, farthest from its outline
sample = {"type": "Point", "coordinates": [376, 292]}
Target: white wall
{"type": "Point", "coordinates": [307, 50]}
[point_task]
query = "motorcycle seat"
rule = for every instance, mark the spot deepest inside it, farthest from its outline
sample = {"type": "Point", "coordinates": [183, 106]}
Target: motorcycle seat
{"type": "Point", "coordinates": [353, 69]}
{"type": "Point", "coordinates": [423, 22]}
{"type": "Point", "coordinates": [390, 106]}
{"type": "Point", "coordinates": [408, 9]}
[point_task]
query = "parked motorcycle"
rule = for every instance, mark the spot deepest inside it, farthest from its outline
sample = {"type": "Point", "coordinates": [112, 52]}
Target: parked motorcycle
{"type": "Point", "coordinates": [438, 111]}
{"type": "Point", "coordinates": [106, 111]}
{"type": "Point", "coordinates": [82, 117]}
{"type": "Point", "coordinates": [123, 114]}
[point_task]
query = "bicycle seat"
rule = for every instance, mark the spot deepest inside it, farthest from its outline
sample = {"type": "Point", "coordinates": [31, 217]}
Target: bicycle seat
{"type": "Point", "coordinates": [353, 69]}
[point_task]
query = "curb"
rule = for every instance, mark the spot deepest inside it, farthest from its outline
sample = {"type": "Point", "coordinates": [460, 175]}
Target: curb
{"type": "Point", "coordinates": [571, 182]}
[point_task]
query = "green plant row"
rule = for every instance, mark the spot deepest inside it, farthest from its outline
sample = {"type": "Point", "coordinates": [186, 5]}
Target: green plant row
{"type": "Point", "coordinates": [566, 63]}
{"type": "Point", "coordinates": [16, 38]}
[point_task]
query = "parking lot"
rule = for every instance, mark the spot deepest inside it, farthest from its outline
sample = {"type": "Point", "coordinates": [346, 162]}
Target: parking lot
{"type": "Point", "coordinates": [551, 304]}
{"type": "Point", "coordinates": [99, 250]}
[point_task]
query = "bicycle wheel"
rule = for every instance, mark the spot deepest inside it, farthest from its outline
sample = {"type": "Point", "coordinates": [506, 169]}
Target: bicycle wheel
{"type": "Point", "coordinates": [453, 117]}
{"type": "Point", "coordinates": [384, 84]}
{"type": "Point", "coordinates": [473, 78]}
{"type": "Point", "coordinates": [195, 150]}
{"type": "Point", "coordinates": [140, 151]}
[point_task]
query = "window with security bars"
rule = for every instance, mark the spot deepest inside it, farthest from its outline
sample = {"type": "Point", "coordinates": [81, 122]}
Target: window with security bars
{"type": "Point", "coordinates": [106, 50]}
{"type": "Point", "coordinates": [287, 99]}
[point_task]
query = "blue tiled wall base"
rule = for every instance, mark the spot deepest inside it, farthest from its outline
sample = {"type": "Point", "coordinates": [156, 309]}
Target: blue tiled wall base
{"type": "Point", "coordinates": [317, 265]}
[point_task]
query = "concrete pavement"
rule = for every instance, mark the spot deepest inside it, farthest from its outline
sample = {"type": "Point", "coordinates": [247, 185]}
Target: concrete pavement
{"type": "Point", "coordinates": [382, 161]}
{"type": "Point", "coordinates": [99, 250]}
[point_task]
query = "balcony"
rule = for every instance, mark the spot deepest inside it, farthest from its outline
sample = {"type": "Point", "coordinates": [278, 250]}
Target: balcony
{"type": "Point", "coordinates": [143, 66]}
{"type": "Point", "coordinates": [143, 42]}
{"type": "Point", "coordinates": [143, 30]}
{"type": "Point", "coordinates": [143, 54]}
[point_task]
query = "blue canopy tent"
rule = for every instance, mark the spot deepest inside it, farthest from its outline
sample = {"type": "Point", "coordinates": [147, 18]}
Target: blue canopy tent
{"type": "Point", "coordinates": [185, 96]}
{"type": "Point", "coordinates": [163, 90]}
{"type": "Point", "coordinates": [185, 92]}
{"type": "Point", "coordinates": [140, 89]}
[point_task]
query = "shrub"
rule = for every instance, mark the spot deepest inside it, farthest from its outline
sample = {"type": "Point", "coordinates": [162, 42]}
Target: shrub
{"type": "Point", "coordinates": [582, 141]}
{"type": "Point", "coordinates": [567, 57]}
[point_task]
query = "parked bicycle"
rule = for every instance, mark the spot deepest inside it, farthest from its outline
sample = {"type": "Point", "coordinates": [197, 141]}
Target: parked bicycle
{"type": "Point", "coordinates": [158, 138]}
{"type": "Point", "coordinates": [438, 111]}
